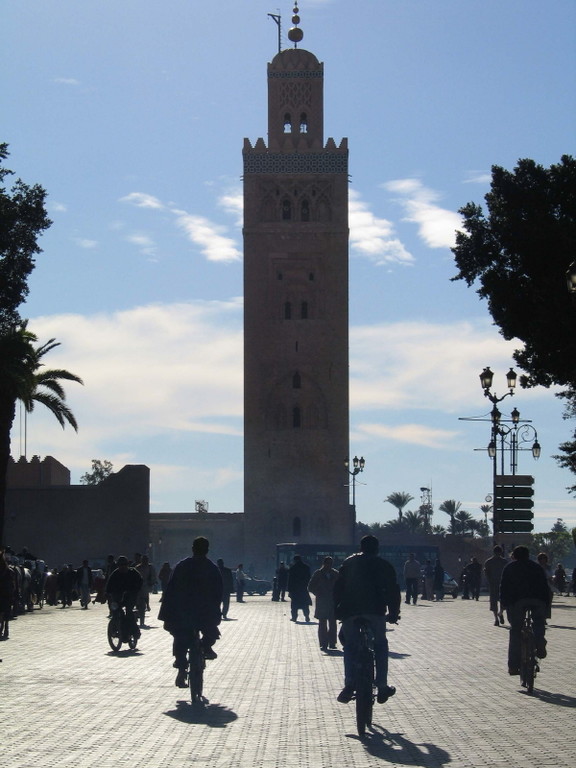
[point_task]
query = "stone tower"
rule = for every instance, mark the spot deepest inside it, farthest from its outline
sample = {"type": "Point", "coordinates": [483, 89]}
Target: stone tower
{"type": "Point", "coordinates": [296, 405]}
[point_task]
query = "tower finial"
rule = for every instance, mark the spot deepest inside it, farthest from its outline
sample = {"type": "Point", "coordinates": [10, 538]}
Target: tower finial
{"type": "Point", "coordinates": [295, 34]}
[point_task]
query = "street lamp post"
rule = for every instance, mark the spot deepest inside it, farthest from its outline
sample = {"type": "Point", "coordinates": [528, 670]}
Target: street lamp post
{"type": "Point", "coordinates": [358, 466]}
{"type": "Point", "coordinates": [426, 506]}
{"type": "Point", "coordinates": [506, 438]}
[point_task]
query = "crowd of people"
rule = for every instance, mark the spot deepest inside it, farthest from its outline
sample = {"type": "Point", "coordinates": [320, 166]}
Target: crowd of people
{"type": "Point", "coordinates": [196, 596]}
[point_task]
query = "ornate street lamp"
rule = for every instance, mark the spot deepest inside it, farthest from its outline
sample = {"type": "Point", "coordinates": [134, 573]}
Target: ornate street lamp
{"type": "Point", "coordinates": [358, 465]}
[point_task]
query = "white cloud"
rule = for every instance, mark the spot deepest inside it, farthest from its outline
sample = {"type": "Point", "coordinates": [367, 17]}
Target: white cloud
{"type": "Point", "coordinates": [213, 243]}
{"type": "Point", "coordinates": [210, 237]}
{"type": "Point", "coordinates": [85, 243]}
{"type": "Point", "coordinates": [144, 242]}
{"type": "Point", "coordinates": [142, 200]}
{"type": "Point", "coordinates": [478, 177]}
{"type": "Point", "coordinates": [57, 207]}
{"type": "Point", "coordinates": [436, 225]}
{"type": "Point", "coordinates": [233, 203]}
{"type": "Point", "coordinates": [412, 434]}
{"type": "Point", "coordinates": [374, 237]}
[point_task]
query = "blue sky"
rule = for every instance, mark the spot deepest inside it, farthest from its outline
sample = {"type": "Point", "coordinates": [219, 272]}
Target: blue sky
{"type": "Point", "coordinates": [132, 115]}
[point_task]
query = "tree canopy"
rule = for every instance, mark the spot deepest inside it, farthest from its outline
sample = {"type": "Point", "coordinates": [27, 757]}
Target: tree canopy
{"type": "Point", "coordinates": [519, 254]}
{"type": "Point", "coordinates": [23, 218]}
{"type": "Point", "coordinates": [100, 471]}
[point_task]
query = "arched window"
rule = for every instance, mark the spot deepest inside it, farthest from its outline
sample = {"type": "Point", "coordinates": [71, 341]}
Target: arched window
{"type": "Point", "coordinates": [296, 381]}
{"type": "Point", "coordinates": [296, 417]}
{"type": "Point", "coordinates": [286, 210]}
{"type": "Point", "coordinates": [305, 210]}
{"type": "Point", "coordinates": [287, 310]}
{"type": "Point", "coordinates": [296, 527]}
{"type": "Point", "coordinates": [303, 123]}
{"type": "Point", "coordinates": [304, 310]}
{"type": "Point", "coordinates": [287, 123]}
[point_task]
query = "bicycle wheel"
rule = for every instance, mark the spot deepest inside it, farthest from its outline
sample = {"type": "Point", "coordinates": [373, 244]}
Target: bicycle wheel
{"type": "Point", "coordinates": [527, 657]}
{"type": "Point", "coordinates": [196, 664]}
{"type": "Point", "coordinates": [364, 692]}
{"type": "Point", "coordinates": [114, 633]}
{"type": "Point", "coordinates": [132, 642]}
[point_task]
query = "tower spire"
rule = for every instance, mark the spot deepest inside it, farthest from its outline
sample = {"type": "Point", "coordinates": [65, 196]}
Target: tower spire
{"type": "Point", "coordinates": [295, 34]}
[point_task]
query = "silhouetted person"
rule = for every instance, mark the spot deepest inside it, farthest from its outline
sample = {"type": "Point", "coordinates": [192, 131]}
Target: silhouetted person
{"type": "Point", "coordinates": [298, 580]}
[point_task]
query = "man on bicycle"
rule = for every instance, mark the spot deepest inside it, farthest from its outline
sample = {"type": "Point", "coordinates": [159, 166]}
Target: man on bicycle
{"type": "Point", "coordinates": [524, 586]}
{"type": "Point", "coordinates": [366, 588]}
{"type": "Point", "coordinates": [190, 603]}
{"type": "Point", "coordinates": [122, 588]}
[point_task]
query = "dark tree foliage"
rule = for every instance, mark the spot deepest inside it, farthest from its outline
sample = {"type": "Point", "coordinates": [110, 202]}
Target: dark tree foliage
{"type": "Point", "coordinates": [100, 471]}
{"type": "Point", "coordinates": [22, 219]}
{"type": "Point", "coordinates": [518, 254]}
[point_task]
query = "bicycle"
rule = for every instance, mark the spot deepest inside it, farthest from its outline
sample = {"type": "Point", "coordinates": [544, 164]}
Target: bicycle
{"type": "Point", "coordinates": [364, 676]}
{"type": "Point", "coordinates": [528, 661]}
{"type": "Point", "coordinates": [196, 666]}
{"type": "Point", "coordinates": [120, 629]}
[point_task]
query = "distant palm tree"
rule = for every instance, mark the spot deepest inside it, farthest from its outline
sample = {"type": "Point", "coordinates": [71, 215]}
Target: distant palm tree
{"type": "Point", "coordinates": [465, 522]}
{"type": "Point", "coordinates": [398, 525]}
{"type": "Point", "coordinates": [451, 507]}
{"type": "Point", "coordinates": [399, 499]}
{"type": "Point", "coordinates": [438, 530]}
{"type": "Point", "coordinates": [21, 378]}
{"type": "Point", "coordinates": [415, 522]}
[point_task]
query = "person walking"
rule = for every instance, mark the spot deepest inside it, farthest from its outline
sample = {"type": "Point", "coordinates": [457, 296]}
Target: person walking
{"type": "Point", "coordinates": [493, 568]}
{"type": "Point", "coordinates": [85, 582]}
{"type": "Point", "coordinates": [412, 574]}
{"type": "Point", "coordinates": [282, 581]}
{"type": "Point", "coordinates": [148, 574]}
{"type": "Point", "coordinates": [429, 580]}
{"type": "Point", "coordinates": [227, 586]}
{"type": "Point", "coordinates": [164, 575]}
{"type": "Point", "coordinates": [473, 577]}
{"type": "Point", "coordinates": [438, 580]}
{"type": "Point", "coordinates": [322, 587]}
{"type": "Point", "coordinates": [240, 579]}
{"type": "Point", "coordinates": [298, 580]}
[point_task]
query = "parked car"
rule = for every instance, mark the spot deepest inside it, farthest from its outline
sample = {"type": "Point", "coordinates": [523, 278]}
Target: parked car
{"type": "Point", "coordinates": [254, 586]}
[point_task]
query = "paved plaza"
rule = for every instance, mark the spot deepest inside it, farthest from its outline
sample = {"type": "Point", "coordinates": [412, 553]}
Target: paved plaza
{"type": "Point", "coordinates": [67, 700]}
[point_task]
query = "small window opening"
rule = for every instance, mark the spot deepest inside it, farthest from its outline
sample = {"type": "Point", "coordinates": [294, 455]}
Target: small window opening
{"type": "Point", "coordinates": [287, 123]}
{"type": "Point", "coordinates": [296, 417]}
{"type": "Point", "coordinates": [287, 310]}
{"type": "Point", "coordinates": [304, 310]}
{"type": "Point", "coordinates": [303, 123]}
{"type": "Point", "coordinates": [296, 381]}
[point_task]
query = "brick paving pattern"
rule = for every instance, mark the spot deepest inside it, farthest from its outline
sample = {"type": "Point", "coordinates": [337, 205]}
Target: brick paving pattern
{"type": "Point", "coordinates": [67, 700]}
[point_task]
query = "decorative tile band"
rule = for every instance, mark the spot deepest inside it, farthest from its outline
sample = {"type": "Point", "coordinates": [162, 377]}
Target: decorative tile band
{"type": "Point", "coordinates": [313, 162]}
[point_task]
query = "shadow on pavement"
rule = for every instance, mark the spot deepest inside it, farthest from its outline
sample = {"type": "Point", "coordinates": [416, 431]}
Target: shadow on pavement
{"type": "Point", "coordinates": [392, 747]}
{"type": "Point", "coordinates": [212, 715]}
{"type": "Point", "coordinates": [560, 699]}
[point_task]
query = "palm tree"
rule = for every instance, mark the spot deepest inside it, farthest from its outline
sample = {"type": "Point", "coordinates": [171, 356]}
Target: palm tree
{"type": "Point", "coordinates": [415, 522]}
{"type": "Point", "coordinates": [464, 522]}
{"type": "Point", "coordinates": [21, 378]}
{"type": "Point", "coordinates": [451, 507]}
{"type": "Point", "coordinates": [398, 525]}
{"type": "Point", "coordinates": [399, 499]}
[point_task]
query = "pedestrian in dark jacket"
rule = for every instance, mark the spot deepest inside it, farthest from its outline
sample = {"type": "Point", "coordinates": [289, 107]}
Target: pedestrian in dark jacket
{"type": "Point", "coordinates": [298, 580]}
{"type": "Point", "coordinates": [227, 586]}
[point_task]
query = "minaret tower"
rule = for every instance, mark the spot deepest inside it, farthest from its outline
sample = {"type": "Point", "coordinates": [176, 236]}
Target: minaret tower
{"type": "Point", "coordinates": [296, 405]}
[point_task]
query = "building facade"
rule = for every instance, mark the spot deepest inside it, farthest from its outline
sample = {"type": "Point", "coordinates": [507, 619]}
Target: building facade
{"type": "Point", "coordinates": [296, 401]}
